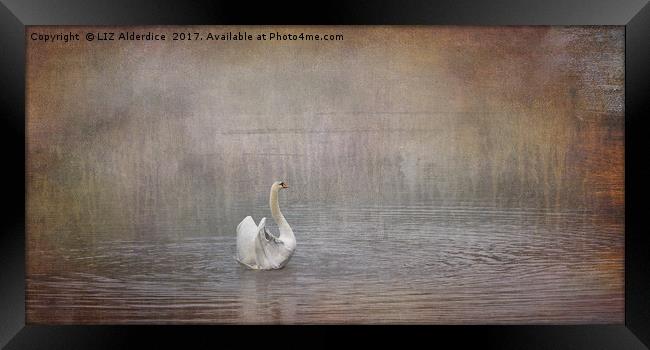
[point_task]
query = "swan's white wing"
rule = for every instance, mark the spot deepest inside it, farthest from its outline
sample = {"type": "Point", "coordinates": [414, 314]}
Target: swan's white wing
{"type": "Point", "coordinates": [246, 226]}
{"type": "Point", "coordinates": [268, 248]}
{"type": "Point", "coordinates": [264, 233]}
{"type": "Point", "coordinates": [246, 237]}
{"type": "Point", "coordinates": [261, 228]}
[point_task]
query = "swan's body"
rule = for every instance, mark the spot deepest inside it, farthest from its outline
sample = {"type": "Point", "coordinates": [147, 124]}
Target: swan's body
{"type": "Point", "coordinates": [257, 248]}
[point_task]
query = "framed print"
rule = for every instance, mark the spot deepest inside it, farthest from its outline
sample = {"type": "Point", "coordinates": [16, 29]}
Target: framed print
{"type": "Point", "coordinates": [484, 175]}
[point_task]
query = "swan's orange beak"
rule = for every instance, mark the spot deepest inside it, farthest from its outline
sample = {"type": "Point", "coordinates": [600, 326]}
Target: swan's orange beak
{"type": "Point", "coordinates": [284, 185]}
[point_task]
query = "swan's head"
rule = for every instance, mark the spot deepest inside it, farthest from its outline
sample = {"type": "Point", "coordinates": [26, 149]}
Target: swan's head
{"type": "Point", "coordinates": [279, 185]}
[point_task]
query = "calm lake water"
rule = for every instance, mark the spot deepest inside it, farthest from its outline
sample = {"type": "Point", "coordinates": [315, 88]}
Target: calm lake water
{"type": "Point", "coordinates": [364, 264]}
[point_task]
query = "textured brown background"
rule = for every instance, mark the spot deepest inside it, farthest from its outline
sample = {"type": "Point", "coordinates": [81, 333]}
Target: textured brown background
{"type": "Point", "coordinates": [437, 175]}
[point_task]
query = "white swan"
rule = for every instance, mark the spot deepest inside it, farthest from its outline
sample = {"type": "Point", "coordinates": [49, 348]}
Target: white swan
{"type": "Point", "coordinates": [257, 248]}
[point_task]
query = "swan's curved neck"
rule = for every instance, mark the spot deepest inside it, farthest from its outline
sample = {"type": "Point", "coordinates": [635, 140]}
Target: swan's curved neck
{"type": "Point", "coordinates": [275, 209]}
{"type": "Point", "coordinates": [286, 233]}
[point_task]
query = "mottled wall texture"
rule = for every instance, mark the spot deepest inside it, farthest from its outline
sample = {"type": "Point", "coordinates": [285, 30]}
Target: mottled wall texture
{"type": "Point", "coordinates": [437, 175]}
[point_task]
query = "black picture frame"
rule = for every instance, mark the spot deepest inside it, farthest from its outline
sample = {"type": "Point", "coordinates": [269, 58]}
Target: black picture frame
{"type": "Point", "coordinates": [634, 15]}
